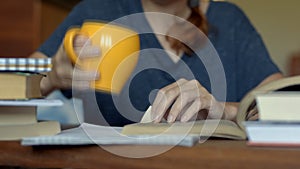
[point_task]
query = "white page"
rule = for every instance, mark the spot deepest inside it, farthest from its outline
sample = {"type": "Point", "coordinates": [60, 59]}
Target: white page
{"type": "Point", "coordinates": [147, 116]}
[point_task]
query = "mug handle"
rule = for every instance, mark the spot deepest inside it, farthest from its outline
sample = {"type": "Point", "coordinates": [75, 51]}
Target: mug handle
{"type": "Point", "coordinates": [68, 43]}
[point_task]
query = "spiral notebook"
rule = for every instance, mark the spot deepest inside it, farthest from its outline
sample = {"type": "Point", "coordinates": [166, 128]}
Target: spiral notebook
{"type": "Point", "coordinates": [88, 134]}
{"type": "Point", "coordinates": [25, 64]}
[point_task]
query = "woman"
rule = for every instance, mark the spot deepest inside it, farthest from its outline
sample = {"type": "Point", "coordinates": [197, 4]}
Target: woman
{"type": "Point", "coordinates": [242, 53]}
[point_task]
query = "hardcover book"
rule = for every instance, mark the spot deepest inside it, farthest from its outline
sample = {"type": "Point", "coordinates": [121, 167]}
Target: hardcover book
{"type": "Point", "coordinates": [16, 85]}
{"type": "Point", "coordinates": [18, 119]}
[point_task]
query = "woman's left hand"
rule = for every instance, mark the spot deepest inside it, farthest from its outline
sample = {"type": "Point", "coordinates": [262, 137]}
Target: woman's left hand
{"type": "Point", "coordinates": [185, 100]}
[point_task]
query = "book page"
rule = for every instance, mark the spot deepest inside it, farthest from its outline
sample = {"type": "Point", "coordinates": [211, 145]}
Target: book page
{"type": "Point", "coordinates": [250, 97]}
{"type": "Point", "coordinates": [147, 116]}
{"type": "Point", "coordinates": [207, 128]}
{"type": "Point", "coordinates": [10, 115]}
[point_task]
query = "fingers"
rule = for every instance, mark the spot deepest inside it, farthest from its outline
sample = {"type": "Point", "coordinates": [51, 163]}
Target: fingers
{"type": "Point", "coordinates": [185, 99]}
{"type": "Point", "coordinates": [82, 75]}
{"type": "Point", "coordinates": [191, 111]}
{"type": "Point", "coordinates": [85, 70]}
{"type": "Point", "coordinates": [62, 66]}
{"type": "Point", "coordinates": [83, 47]}
{"type": "Point", "coordinates": [165, 97]}
{"type": "Point", "coordinates": [189, 92]}
{"type": "Point", "coordinates": [252, 114]}
{"type": "Point", "coordinates": [65, 76]}
{"type": "Point", "coordinates": [81, 40]}
{"type": "Point", "coordinates": [81, 79]}
{"type": "Point", "coordinates": [87, 52]}
{"type": "Point", "coordinates": [254, 117]}
{"type": "Point", "coordinates": [81, 85]}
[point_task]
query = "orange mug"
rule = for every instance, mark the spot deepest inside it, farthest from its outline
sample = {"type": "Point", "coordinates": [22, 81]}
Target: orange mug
{"type": "Point", "coordinates": [119, 53]}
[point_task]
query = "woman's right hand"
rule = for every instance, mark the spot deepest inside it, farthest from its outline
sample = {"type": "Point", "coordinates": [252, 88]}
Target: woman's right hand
{"type": "Point", "coordinates": [66, 75]}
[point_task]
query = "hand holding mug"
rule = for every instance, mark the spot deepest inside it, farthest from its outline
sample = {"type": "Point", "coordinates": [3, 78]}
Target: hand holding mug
{"type": "Point", "coordinates": [63, 74]}
{"type": "Point", "coordinates": [117, 55]}
{"type": "Point", "coordinates": [83, 47]}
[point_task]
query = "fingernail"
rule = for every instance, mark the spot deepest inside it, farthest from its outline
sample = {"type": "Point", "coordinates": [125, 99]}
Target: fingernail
{"type": "Point", "coordinates": [184, 119]}
{"type": "Point", "coordinates": [156, 119]}
{"type": "Point", "coordinates": [170, 119]}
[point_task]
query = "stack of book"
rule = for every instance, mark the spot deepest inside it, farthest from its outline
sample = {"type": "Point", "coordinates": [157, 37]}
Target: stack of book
{"type": "Point", "coordinates": [20, 95]}
{"type": "Point", "coordinates": [279, 120]}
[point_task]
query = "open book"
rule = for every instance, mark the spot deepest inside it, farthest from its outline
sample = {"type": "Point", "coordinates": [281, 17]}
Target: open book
{"type": "Point", "coordinates": [185, 134]}
{"type": "Point", "coordinates": [217, 128]}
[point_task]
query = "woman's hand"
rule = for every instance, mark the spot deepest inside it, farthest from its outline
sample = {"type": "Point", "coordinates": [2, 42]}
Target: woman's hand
{"type": "Point", "coordinates": [64, 74]}
{"type": "Point", "coordinates": [186, 100]}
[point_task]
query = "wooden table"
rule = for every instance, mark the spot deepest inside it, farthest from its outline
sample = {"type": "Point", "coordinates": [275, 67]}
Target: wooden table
{"type": "Point", "coordinates": [211, 154]}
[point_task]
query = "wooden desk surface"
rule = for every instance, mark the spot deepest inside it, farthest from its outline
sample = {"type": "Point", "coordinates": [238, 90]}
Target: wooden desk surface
{"type": "Point", "coordinates": [211, 154]}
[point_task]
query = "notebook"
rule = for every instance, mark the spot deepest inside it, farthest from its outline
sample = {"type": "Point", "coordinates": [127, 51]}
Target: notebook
{"type": "Point", "coordinates": [32, 102]}
{"type": "Point", "coordinates": [87, 134]}
{"type": "Point", "coordinates": [25, 64]}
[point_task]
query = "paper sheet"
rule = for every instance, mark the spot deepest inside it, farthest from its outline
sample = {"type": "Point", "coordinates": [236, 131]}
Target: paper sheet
{"type": "Point", "coordinates": [147, 116]}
